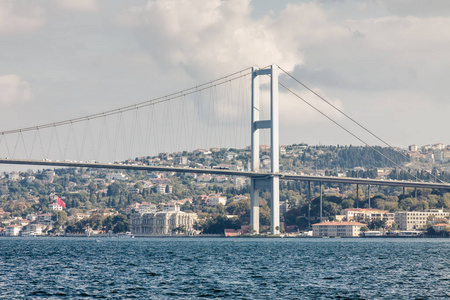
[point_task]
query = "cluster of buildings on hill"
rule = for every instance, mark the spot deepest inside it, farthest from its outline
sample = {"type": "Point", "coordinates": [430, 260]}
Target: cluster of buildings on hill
{"type": "Point", "coordinates": [38, 224]}
{"type": "Point", "coordinates": [430, 153]}
{"type": "Point", "coordinates": [168, 216]}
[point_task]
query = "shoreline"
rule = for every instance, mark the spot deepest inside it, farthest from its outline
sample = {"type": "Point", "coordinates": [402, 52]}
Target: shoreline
{"type": "Point", "coordinates": [226, 237]}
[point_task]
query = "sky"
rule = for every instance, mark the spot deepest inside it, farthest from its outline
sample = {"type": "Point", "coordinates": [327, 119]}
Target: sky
{"type": "Point", "coordinates": [384, 63]}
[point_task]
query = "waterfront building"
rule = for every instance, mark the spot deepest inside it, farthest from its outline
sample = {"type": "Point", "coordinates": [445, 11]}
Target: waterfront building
{"type": "Point", "coordinates": [337, 229]}
{"type": "Point", "coordinates": [367, 215]}
{"type": "Point", "coordinates": [162, 222]}
{"type": "Point", "coordinates": [13, 230]}
{"type": "Point", "coordinates": [231, 232]}
{"type": "Point", "coordinates": [33, 229]}
{"type": "Point", "coordinates": [410, 220]}
{"type": "Point", "coordinates": [441, 227]}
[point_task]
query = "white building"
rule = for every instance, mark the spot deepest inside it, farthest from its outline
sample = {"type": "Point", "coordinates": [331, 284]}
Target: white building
{"type": "Point", "coordinates": [410, 220]}
{"type": "Point", "coordinates": [162, 222]}
{"type": "Point", "coordinates": [368, 214]}
{"type": "Point", "coordinates": [55, 206]}
{"type": "Point", "coordinates": [333, 229]}
{"type": "Point", "coordinates": [13, 230]}
{"type": "Point", "coordinates": [116, 176]}
{"type": "Point", "coordinates": [181, 160]}
{"type": "Point", "coordinates": [33, 229]}
{"type": "Point", "coordinates": [146, 207]}
{"type": "Point", "coordinates": [413, 148]}
{"type": "Point", "coordinates": [216, 200]}
{"type": "Point", "coordinates": [163, 189]}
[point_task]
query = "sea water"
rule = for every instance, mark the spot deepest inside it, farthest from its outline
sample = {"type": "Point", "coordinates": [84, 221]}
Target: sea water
{"type": "Point", "coordinates": [230, 268]}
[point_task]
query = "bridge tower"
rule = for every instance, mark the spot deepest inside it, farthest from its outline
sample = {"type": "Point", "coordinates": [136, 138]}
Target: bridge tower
{"type": "Point", "coordinates": [272, 181]}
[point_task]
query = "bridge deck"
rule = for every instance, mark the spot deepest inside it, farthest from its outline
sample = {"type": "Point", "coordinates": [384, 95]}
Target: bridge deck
{"type": "Point", "coordinates": [344, 180]}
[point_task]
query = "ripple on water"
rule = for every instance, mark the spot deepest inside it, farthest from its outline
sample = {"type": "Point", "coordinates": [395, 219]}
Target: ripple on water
{"type": "Point", "coordinates": [224, 268]}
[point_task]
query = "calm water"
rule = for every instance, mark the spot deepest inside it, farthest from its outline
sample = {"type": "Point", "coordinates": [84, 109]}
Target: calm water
{"type": "Point", "coordinates": [185, 268]}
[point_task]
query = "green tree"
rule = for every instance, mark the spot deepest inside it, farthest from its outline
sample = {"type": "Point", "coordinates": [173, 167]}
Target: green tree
{"type": "Point", "coordinates": [113, 189]}
{"type": "Point", "coordinates": [59, 218]}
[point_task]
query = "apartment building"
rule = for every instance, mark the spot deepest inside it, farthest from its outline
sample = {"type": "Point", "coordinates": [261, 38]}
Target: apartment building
{"type": "Point", "coordinates": [410, 220]}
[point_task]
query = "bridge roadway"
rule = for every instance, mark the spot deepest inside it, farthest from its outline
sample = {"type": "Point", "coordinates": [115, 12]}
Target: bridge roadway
{"type": "Point", "coordinates": [285, 176]}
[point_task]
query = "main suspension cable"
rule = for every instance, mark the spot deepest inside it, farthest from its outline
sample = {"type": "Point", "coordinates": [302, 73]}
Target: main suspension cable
{"type": "Point", "coordinates": [342, 127]}
{"type": "Point", "coordinates": [180, 94]}
{"type": "Point", "coordinates": [356, 122]}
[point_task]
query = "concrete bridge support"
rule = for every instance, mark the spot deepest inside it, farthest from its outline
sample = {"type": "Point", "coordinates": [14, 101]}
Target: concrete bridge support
{"type": "Point", "coordinates": [273, 181]}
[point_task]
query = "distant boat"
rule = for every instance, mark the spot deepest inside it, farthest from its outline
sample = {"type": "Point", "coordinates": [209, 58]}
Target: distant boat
{"type": "Point", "coordinates": [125, 235]}
{"type": "Point", "coordinates": [27, 234]}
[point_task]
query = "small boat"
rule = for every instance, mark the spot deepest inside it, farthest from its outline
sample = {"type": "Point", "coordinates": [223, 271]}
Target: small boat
{"type": "Point", "coordinates": [125, 235]}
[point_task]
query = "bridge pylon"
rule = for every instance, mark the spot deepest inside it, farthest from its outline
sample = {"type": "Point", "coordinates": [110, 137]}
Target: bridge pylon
{"type": "Point", "coordinates": [272, 181]}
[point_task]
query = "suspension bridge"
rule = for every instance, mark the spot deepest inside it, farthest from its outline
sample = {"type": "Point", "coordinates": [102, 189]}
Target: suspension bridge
{"type": "Point", "coordinates": [222, 113]}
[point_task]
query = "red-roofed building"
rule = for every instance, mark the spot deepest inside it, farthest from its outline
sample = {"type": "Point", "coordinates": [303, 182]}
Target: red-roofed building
{"type": "Point", "coordinates": [441, 227]}
{"type": "Point", "coordinates": [231, 232]}
{"type": "Point", "coordinates": [334, 229]}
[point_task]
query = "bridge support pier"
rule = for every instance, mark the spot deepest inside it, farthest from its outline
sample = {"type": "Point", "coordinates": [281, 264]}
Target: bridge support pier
{"type": "Point", "coordinates": [273, 182]}
{"type": "Point", "coordinates": [309, 205]}
{"type": "Point", "coordinates": [357, 195]}
{"type": "Point", "coordinates": [321, 196]}
{"type": "Point", "coordinates": [254, 207]}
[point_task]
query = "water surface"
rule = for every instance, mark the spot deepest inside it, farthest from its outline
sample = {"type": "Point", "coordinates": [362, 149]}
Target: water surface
{"type": "Point", "coordinates": [231, 268]}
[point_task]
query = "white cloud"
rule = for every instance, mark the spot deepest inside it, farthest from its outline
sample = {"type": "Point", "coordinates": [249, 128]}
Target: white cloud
{"type": "Point", "coordinates": [78, 5]}
{"type": "Point", "coordinates": [19, 18]}
{"type": "Point", "coordinates": [14, 90]}
{"type": "Point", "coordinates": [217, 36]}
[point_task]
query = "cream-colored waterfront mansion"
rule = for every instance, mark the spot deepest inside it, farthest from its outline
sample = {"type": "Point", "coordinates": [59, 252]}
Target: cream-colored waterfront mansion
{"type": "Point", "coordinates": [162, 222]}
{"type": "Point", "coordinates": [337, 229]}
